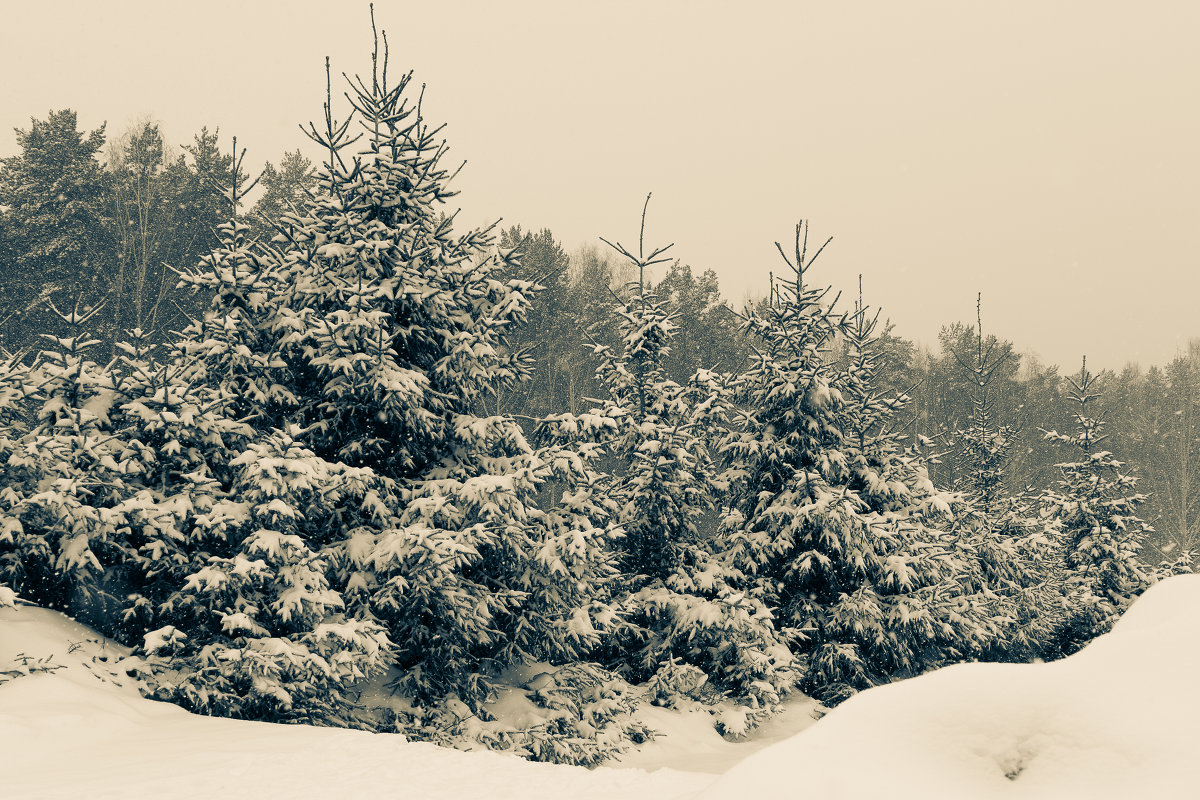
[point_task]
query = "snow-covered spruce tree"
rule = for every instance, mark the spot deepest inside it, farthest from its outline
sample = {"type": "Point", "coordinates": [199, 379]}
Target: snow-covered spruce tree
{"type": "Point", "coordinates": [658, 441]}
{"type": "Point", "coordinates": [1096, 505]}
{"type": "Point", "coordinates": [91, 527]}
{"type": "Point", "coordinates": [982, 450]}
{"type": "Point", "coordinates": [682, 624]}
{"type": "Point", "coordinates": [231, 341]}
{"type": "Point", "coordinates": [20, 553]}
{"type": "Point", "coordinates": [257, 632]}
{"type": "Point", "coordinates": [914, 615]}
{"type": "Point", "coordinates": [170, 446]}
{"type": "Point", "coordinates": [228, 579]}
{"type": "Point", "coordinates": [184, 404]}
{"type": "Point", "coordinates": [824, 529]}
{"type": "Point", "coordinates": [60, 538]}
{"type": "Point", "coordinates": [391, 331]}
{"type": "Point", "coordinates": [1018, 552]}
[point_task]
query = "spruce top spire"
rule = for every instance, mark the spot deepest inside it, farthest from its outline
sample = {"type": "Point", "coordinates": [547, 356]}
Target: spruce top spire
{"type": "Point", "coordinates": [801, 263]}
{"type": "Point", "coordinates": [642, 260]}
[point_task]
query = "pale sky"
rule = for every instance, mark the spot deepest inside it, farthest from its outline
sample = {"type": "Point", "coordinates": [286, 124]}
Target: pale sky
{"type": "Point", "coordinates": [1044, 153]}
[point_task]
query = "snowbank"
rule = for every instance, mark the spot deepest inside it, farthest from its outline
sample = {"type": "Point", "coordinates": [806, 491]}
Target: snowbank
{"type": "Point", "coordinates": [1120, 719]}
{"type": "Point", "coordinates": [687, 740]}
{"type": "Point", "coordinates": [73, 733]}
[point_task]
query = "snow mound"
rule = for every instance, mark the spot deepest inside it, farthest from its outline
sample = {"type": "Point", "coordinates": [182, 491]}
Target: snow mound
{"type": "Point", "coordinates": [1119, 719]}
{"type": "Point", "coordinates": [686, 739]}
{"type": "Point", "coordinates": [71, 727]}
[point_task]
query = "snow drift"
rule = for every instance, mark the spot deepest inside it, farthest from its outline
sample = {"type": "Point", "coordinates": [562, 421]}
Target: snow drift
{"type": "Point", "coordinates": [1119, 719]}
{"type": "Point", "coordinates": [75, 732]}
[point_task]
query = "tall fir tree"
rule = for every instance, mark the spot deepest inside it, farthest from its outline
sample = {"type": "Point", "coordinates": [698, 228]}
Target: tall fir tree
{"type": "Point", "coordinates": [827, 524]}
{"type": "Point", "coordinates": [1018, 551]}
{"type": "Point", "coordinates": [60, 247]}
{"type": "Point", "coordinates": [390, 332]}
{"type": "Point", "coordinates": [923, 617]}
{"type": "Point", "coordinates": [233, 586]}
{"type": "Point", "coordinates": [1096, 504]}
{"type": "Point", "coordinates": [684, 624]}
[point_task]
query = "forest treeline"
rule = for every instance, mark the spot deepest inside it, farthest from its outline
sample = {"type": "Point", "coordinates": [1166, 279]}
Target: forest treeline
{"type": "Point", "coordinates": [1153, 414]}
{"type": "Point", "coordinates": [286, 448]}
{"type": "Point", "coordinates": [89, 219]}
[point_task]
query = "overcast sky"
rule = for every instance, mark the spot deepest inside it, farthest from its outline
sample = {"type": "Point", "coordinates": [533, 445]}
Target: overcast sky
{"type": "Point", "coordinates": [1044, 153]}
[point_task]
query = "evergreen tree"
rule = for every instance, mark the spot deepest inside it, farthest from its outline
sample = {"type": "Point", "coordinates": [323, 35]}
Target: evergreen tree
{"type": "Point", "coordinates": [286, 189]}
{"type": "Point", "coordinates": [922, 617]}
{"type": "Point", "coordinates": [790, 517]}
{"type": "Point", "coordinates": [684, 624]}
{"type": "Point", "coordinates": [237, 532]}
{"type": "Point", "coordinates": [658, 511]}
{"type": "Point", "coordinates": [55, 224]}
{"type": "Point", "coordinates": [256, 630]}
{"type": "Point", "coordinates": [1096, 505]}
{"type": "Point", "coordinates": [61, 536]}
{"type": "Point", "coordinates": [389, 334]}
{"type": "Point", "coordinates": [828, 524]}
{"type": "Point", "coordinates": [174, 449]}
{"type": "Point", "coordinates": [981, 449]}
{"type": "Point", "coordinates": [1017, 551]}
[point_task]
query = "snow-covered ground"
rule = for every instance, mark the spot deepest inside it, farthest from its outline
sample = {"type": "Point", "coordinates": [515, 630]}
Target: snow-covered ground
{"type": "Point", "coordinates": [1121, 719]}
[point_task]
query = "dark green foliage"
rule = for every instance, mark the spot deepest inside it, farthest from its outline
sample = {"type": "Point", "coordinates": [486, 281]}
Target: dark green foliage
{"type": "Point", "coordinates": [388, 339]}
{"type": "Point", "coordinates": [550, 336]}
{"type": "Point", "coordinates": [831, 524]}
{"type": "Point", "coordinates": [56, 232]}
{"type": "Point", "coordinates": [1096, 505]}
{"type": "Point", "coordinates": [285, 190]}
{"type": "Point", "coordinates": [709, 332]}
